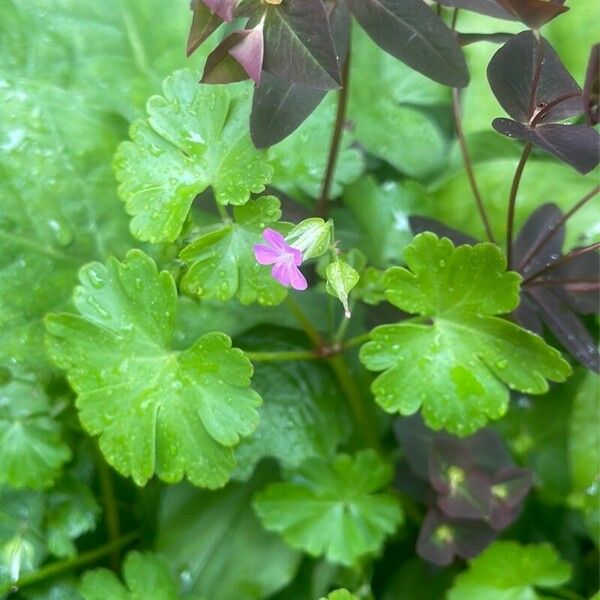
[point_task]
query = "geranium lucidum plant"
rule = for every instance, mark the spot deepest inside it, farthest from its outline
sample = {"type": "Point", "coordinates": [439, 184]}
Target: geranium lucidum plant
{"type": "Point", "coordinates": [305, 309]}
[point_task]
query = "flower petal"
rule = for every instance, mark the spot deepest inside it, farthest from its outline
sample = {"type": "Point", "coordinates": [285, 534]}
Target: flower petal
{"type": "Point", "coordinates": [265, 255]}
{"type": "Point", "coordinates": [275, 239]}
{"type": "Point", "coordinates": [296, 254]}
{"type": "Point", "coordinates": [281, 272]}
{"type": "Point", "coordinates": [297, 280]}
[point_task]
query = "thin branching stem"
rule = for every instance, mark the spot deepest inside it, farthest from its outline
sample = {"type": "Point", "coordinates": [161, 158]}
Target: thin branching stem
{"type": "Point", "coordinates": [86, 558]}
{"type": "Point", "coordinates": [469, 165]}
{"type": "Point", "coordinates": [304, 322]}
{"type": "Point", "coordinates": [111, 512]}
{"type": "Point", "coordinates": [512, 201]}
{"type": "Point", "coordinates": [552, 231]}
{"type": "Point", "coordinates": [336, 138]}
{"type": "Point", "coordinates": [563, 260]}
{"type": "Point", "coordinates": [281, 356]}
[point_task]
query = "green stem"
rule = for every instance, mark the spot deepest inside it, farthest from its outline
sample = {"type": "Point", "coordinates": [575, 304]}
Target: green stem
{"type": "Point", "coordinates": [281, 356]}
{"type": "Point", "coordinates": [512, 201]}
{"type": "Point", "coordinates": [338, 336]}
{"type": "Point", "coordinates": [223, 212]}
{"type": "Point", "coordinates": [363, 418]}
{"type": "Point", "coordinates": [71, 564]}
{"type": "Point", "coordinates": [305, 323]}
{"type": "Point", "coordinates": [566, 593]}
{"type": "Point", "coordinates": [357, 340]}
{"type": "Point", "coordinates": [111, 512]}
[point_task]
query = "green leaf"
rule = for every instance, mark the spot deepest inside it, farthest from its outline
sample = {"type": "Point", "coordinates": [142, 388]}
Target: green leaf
{"type": "Point", "coordinates": [382, 213]}
{"type": "Point", "coordinates": [146, 576]}
{"type": "Point", "coordinates": [584, 441]}
{"type": "Point", "coordinates": [457, 368]}
{"type": "Point", "coordinates": [195, 136]}
{"type": "Point", "coordinates": [300, 161]}
{"type": "Point", "coordinates": [331, 508]}
{"type": "Point", "coordinates": [391, 123]}
{"type": "Point", "coordinates": [341, 278]}
{"type": "Point", "coordinates": [201, 533]}
{"type": "Point", "coordinates": [116, 54]}
{"type": "Point", "coordinates": [32, 452]}
{"type": "Point", "coordinates": [542, 180]}
{"type": "Point", "coordinates": [341, 594]}
{"type": "Point", "coordinates": [59, 209]}
{"type": "Point", "coordinates": [71, 511]}
{"type": "Point", "coordinates": [155, 410]}
{"type": "Point", "coordinates": [510, 570]}
{"type": "Point", "coordinates": [303, 413]}
{"type": "Point", "coordinates": [221, 262]}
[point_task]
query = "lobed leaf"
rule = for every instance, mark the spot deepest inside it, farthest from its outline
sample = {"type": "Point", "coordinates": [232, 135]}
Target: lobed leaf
{"type": "Point", "coordinates": [154, 410]}
{"type": "Point", "coordinates": [457, 368]}
{"type": "Point", "coordinates": [195, 136]}
{"type": "Point", "coordinates": [221, 262]}
{"type": "Point", "coordinates": [331, 508]}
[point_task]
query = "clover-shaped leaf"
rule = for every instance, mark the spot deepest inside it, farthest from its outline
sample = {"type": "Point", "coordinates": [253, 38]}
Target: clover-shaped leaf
{"type": "Point", "coordinates": [31, 449]}
{"type": "Point", "coordinates": [146, 576]}
{"type": "Point", "coordinates": [332, 508]}
{"type": "Point", "coordinates": [457, 368]}
{"type": "Point", "coordinates": [509, 570]}
{"type": "Point", "coordinates": [221, 262]}
{"type": "Point", "coordinates": [155, 410]}
{"type": "Point", "coordinates": [195, 136]}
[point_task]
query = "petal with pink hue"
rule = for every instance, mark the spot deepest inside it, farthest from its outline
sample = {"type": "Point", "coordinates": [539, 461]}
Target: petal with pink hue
{"type": "Point", "coordinates": [265, 255]}
{"type": "Point", "coordinates": [275, 239]}
{"type": "Point", "coordinates": [281, 272]}
{"type": "Point", "coordinates": [297, 280]}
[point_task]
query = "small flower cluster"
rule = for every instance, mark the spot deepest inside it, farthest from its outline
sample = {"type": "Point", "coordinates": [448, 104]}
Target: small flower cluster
{"type": "Point", "coordinates": [471, 485]}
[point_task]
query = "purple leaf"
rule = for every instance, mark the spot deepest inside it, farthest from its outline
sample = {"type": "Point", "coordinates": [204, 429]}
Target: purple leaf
{"type": "Point", "coordinates": [576, 145]}
{"type": "Point", "coordinates": [464, 491]}
{"type": "Point", "coordinates": [421, 224]}
{"type": "Point", "coordinates": [441, 538]}
{"type": "Point", "coordinates": [585, 266]}
{"type": "Point", "coordinates": [416, 440]}
{"type": "Point", "coordinates": [410, 31]}
{"type": "Point", "coordinates": [511, 74]}
{"type": "Point", "coordinates": [488, 450]}
{"type": "Point", "coordinates": [236, 58]}
{"type": "Point", "coordinates": [537, 226]}
{"type": "Point", "coordinates": [223, 8]}
{"type": "Point", "coordinates": [526, 314]}
{"type": "Point", "coordinates": [591, 88]}
{"type": "Point", "coordinates": [464, 39]}
{"type": "Point", "coordinates": [204, 23]}
{"type": "Point", "coordinates": [408, 483]}
{"type": "Point", "coordinates": [534, 13]}
{"type": "Point", "coordinates": [510, 487]}
{"type": "Point", "coordinates": [566, 326]}
{"type": "Point", "coordinates": [280, 107]}
{"type": "Point", "coordinates": [299, 46]}
{"type": "Point", "coordinates": [491, 8]}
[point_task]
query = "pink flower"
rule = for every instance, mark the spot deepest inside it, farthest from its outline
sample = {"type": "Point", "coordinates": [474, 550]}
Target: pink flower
{"type": "Point", "coordinates": [284, 258]}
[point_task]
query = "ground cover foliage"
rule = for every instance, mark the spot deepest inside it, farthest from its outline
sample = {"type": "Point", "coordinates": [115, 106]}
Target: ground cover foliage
{"type": "Point", "coordinates": [299, 299]}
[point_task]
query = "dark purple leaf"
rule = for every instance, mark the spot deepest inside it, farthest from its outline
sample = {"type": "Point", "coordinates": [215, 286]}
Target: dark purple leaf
{"type": "Point", "coordinates": [223, 8]}
{"type": "Point", "coordinates": [464, 39]}
{"type": "Point", "coordinates": [488, 451]}
{"type": "Point", "coordinates": [464, 491]}
{"type": "Point", "coordinates": [408, 483]}
{"type": "Point", "coordinates": [299, 46]}
{"type": "Point", "coordinates": [236, 58]}
{"type": "Point", "coordinates": [416, 440]}
{"type": "Point", "coordinates": [491, 8]}
{"type": "Point", "coordinates": [591, 89]}
{"type": "Point", "coordinates": [280, 107]}
{"type": "Point", "coordinates": [576, 145]}
{"type": "Point", "coordinates": [421, 224]}
{"type": "Point", "coordinates": [410, 31]}
{"type": "Point", "coordinates": [511, 74]}
{"type": "Point", "coordinates": [204, 23]}
{"type": "Point", "coordinates": [526, 314]}
{"type": "Point", "coordinates": [441, 538]}
{"type": "Point", "coordinates": [536, 228]}
{"type": "Point", "coordinates": [585, 266]}
{"type": "Point", "coordinates": [534, 13]}
{"type": "Point", "coordinates": [510, 486]}
{"type": "Point", "coordinates": [566, 326]}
